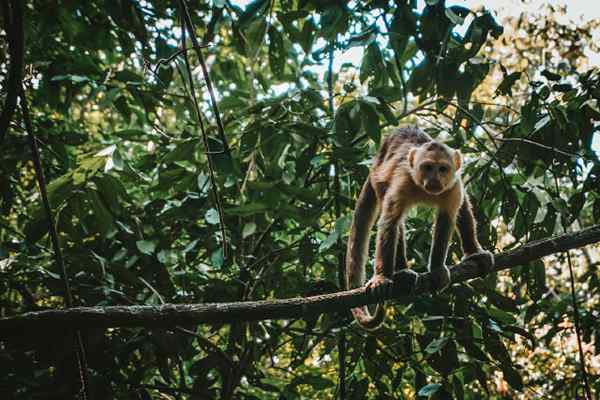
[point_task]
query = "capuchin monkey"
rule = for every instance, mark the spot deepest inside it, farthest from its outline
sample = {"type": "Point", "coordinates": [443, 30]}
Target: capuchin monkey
{"type": "Point", "coordinates": [410, 169]}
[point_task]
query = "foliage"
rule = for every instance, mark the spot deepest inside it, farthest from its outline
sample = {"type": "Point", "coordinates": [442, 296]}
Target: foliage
{"type": "Point", "coordinates": [138, 223]}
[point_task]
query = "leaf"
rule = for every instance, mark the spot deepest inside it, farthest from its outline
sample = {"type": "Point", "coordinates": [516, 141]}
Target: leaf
{"type": "Point", "coordinates": [217, 259]}
{"type": "Point", "coordinates": [363, 38]}
{"type": "Point", "coordinates": [333, 21]}
{"type": "Point", "coordinates": [212, 217]}
{"type": "Point", "coordinates": [551, 76]}
{"type": "Point", "coordinates": [254, 36]}
{"type": "Point", "coordinates": [505, 87]}
{"type": "Point", "coordinates": [420, 79]}
{"type": "Point", "coordinates": [501, 316]}
{"type": "Point", "coordinates": [72, 78]}
{"type": "Point", "coordinates": [247, 209]}
{"type": "Point", "coordinates": [307, 35]}
{"type": "Point", "coordinates": [512, 377]}
{"type": "Point", "coordinates": [453, 17]}
{"type": "Point", "coordinates": [253, 11]}
{"type": "Point", "coordinates": [146, 246]}
{"type": "Point", "coordinates": [183, 151]}
{"type": "Point", "coordinates": [373, 66]}
{"type": "Point", "coordinates": [277, 56]}
{"type": "Point", "coordinates": [370, 121]}
{"type": "Point", "coordinates": [436, 345]}
{"type": "Point", "coordinates": [341, 226]}
{"type": "Point", "coordinates": [541, 123]}
{"type": "Point", "coordinates": [429, 389]}
{"type": "Point", "coordinates": [248, 229]}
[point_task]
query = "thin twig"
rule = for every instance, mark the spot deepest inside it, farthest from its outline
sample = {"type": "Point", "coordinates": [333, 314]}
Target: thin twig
{"type": "Point", "coordinates": [341, 339]}
{"type": "Point", "coordinates": [189, 26]}
{"type": "Point", "coordinates": [543, 146]}
{"type": "Point", "coordinates": [211, 169]}
{"type": "Point", "coordinates": [168, 60]}
{"type": "Point", "coordinates": [586, 383]}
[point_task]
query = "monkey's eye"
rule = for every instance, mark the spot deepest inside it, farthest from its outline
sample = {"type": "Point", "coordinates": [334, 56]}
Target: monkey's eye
{"type": "Point", "coordinates": [427, 167]}
{"type": "Point", "coordinates": [443, 169]}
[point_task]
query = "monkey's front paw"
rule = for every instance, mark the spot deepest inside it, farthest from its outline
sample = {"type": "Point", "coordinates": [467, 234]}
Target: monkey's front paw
{"type": "Point", "coordinates": [440, 278]}
{"type": "Point", "coordinates": [405, 281]}
{"type": "Point", "coordinates": [379, 285]}
{"type": "Point", "coordinates": [483, 259]}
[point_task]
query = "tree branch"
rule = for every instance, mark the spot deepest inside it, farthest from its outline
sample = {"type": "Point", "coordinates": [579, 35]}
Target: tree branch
{"type": "Point", "coordinates": [170, 315]}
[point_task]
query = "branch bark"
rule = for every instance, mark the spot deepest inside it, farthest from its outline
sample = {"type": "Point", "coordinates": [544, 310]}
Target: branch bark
{"type": "Point", "coordinates": [170, 315]}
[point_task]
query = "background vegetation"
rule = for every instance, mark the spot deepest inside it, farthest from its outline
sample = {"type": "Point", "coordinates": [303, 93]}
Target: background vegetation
{"type": "Point", "coordinates": [141, 218]}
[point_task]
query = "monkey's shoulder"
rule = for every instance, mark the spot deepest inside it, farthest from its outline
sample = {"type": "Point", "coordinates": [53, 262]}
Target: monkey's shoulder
{"type": "Point", "coordinates": [398, 143]}
{"type": "Point", "coordinates": [407, 135]}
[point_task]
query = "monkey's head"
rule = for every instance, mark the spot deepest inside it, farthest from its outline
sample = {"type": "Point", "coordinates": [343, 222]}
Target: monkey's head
{"type": "Point", "coordinates": [434, 166]}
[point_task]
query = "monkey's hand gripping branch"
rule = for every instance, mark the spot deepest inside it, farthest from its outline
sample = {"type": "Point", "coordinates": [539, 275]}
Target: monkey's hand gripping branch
{"type": "Point", "coordinates": [407, 282]}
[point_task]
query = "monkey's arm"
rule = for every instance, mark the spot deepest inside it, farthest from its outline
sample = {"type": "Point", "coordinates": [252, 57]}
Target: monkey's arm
{"type": "Point", "coordinates": [467, 229]}
{"type": "Point", "coordinates": [442, 232]}
{"type": "Point", "coordinates": [385, 246]}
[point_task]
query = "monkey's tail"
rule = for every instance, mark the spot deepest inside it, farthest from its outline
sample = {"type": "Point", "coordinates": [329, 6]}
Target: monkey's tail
{"type": "Point", "coordinates": [357, 253]}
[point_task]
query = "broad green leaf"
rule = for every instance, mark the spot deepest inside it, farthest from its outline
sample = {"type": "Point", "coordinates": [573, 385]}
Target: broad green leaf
{"type": "Point", "coordinates": [248, 229]}
{"type": "Point", "coordinates": [277, 56]}
{"type": "Point", "coordinates": [436, 345]}
{"type": "Point", "coordinates": [431, 388]}
{"type": "Point", "coordinates": [146, 246]}
{"type": "Point", "coordinates": [212, 217]}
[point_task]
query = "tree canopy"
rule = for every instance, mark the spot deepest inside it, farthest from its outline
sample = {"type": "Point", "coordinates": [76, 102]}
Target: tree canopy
{"type": "Point", "coordinates": [207, 152]}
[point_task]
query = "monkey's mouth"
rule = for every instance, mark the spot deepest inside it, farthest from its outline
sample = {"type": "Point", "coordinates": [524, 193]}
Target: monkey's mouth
{"type": "Point", "coordinates": [434, 189]}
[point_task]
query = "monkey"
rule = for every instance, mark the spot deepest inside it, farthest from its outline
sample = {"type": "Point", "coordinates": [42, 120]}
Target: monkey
{"type": "Point", "coordinates": [409, 169]}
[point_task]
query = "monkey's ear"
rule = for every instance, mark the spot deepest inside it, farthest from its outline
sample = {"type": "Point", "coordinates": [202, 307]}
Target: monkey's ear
{"type": "Point", "coordinates": [411, 157]}
{"type": "Point", "coordinates": [457, 159]}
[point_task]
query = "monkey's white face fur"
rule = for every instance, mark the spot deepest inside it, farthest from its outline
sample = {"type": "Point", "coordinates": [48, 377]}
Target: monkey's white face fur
{"type": "Point", "coordinates": [434, 167]}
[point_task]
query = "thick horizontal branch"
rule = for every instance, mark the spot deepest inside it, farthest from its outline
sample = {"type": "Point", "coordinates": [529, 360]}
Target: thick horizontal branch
{"type": "Point", "coordinates": [170, 315]}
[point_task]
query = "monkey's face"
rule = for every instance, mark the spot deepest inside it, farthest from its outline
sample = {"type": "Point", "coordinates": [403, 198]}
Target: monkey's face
{"type": "Point", "coordinates": [434, 167]}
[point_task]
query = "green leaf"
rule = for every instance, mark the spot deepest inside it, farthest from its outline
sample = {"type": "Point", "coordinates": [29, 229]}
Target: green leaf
{"type": "Point", "coordinates": [333, 21]}
{"type": "Point", "coordinates": [248, 229]}
{"type": "Point", "coordinates": [212, 217]}
{"type": "Point", "coordinates": [370, 120]}
{"type": "Point", "coordinates": [146, 246]}
{"type": "Point", "coordinates": [513, 377]}
{"type": "Point", "coordinates": [217, 259]}
{"type": "Point", "coordinates": [247, 209]}
{"type": "Point", "coordinates": [505, 87]}
{"type": "Point", "coordinates": [501, 316]}
{"type": "Point", "coordinates": [373, 65]}
{"type": "Point", "coordinates": [307, 35]}
{"type": "Point", "coordinates": [402, 27]}
{"type": "Point", "coordinates": [254, 36]}
{"type": "Point", "coordinates": [420, 80]}
{"type": "Point", "coordinates": [453, 17]}
{"type": "Point", "coordinates": [551, 76]}
{"type": "Point", "coordinates": [429, 389]}
{"type": "Point", "coordinates": [254, 10]}
{"type": "Point", "coordinates": [183, 151]}
{"type": "Point", "coordinates": [277, 56]}
{"type": "Point", "coordinates": [436, 345]}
